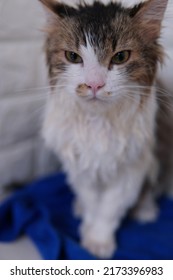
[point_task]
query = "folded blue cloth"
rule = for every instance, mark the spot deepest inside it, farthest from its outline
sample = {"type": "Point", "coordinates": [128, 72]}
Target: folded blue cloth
{"type": "Point", "coordinates": [43, 211]}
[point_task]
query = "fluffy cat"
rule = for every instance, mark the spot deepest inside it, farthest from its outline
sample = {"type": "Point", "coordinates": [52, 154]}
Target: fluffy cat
{"type": "Point", "coordinates": [101, 115]}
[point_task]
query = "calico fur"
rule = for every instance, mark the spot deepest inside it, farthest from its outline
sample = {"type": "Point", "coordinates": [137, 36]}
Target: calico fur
{"type": "Point", "coordinates": [105, 141]}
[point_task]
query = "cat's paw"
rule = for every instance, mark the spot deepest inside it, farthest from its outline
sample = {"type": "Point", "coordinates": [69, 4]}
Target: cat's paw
{"type": "Point", "coordinates": [102, 248]}
{"type": "Point", "coordinates": [145, 215]}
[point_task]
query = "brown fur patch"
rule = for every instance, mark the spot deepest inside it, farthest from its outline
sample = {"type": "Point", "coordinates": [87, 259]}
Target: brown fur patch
{"type": "Point", "coordinates": [82, 90]}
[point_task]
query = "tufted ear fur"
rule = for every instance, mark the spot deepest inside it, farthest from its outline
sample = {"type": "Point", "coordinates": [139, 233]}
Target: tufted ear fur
{"type": "Point", "coordinates": [50, 4]}
{"type": "Point", "coordinates": [149, 18]}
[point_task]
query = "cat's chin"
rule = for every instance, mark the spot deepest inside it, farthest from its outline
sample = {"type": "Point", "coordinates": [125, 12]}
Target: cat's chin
{"type": "Point", "coordinates": [95, 104]}
{"type": "Point", "coordinates": [96, 100]}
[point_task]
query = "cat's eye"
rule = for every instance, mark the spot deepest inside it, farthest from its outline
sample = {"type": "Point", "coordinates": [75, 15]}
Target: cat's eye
{"type": "Point", "coordinates": [73, 57]}
{"type": "Point", "coordinates": [120, 57]}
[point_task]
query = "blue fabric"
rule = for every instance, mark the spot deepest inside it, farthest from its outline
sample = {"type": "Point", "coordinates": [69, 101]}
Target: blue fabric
{"type": "Point", "coordinates": [43, 211]}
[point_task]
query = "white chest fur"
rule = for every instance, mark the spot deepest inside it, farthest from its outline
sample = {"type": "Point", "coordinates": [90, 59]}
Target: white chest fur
{"type": "Point", "coordinates": [86, 140]}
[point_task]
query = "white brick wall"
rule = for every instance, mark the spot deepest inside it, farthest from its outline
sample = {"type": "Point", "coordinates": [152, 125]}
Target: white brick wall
{"type": "Point", "coordinates": [22, 68]}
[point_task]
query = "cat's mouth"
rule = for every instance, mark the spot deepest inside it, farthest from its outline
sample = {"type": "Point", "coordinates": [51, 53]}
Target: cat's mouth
{"type": "Point", "coordinates": [104, 98]}
{"type": "Point", "coordinates": [95, 99]}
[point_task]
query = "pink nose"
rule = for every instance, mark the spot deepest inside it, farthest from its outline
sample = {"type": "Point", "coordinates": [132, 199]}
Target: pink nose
{"type": "Point", "coordinates": [95, 86]}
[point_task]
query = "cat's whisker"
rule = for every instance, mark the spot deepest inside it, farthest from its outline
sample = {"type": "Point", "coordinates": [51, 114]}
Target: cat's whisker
{"type": "Point", "coordinates": [138, 88]}
{"type": "Point", "coordinates": [159, 98]}
{"type": "Point", "coordinates": [37, 113]}
{"type": "Point", "coordinates": [165, 103]}
{"type": "Point", "coordinates": [159, 93]}
{"type": "Point", "coordinates": [144, 87]}
{"type": "Point", "coordinates": [136, 92]}
{"type": "Point", "coordinates": [43, 89]}
{"type": "Point", "coordinates": [33, 89]}
{"type": "Point", "coordinates": [33, 118]}
{"type": "Point", "coordinates": [165, 114]}
{"type": "Point", "coordinates": [22, 99]}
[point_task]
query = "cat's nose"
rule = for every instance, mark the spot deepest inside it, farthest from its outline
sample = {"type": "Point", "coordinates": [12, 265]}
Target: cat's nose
{"type": "Point", "coordinates": [95, 86]}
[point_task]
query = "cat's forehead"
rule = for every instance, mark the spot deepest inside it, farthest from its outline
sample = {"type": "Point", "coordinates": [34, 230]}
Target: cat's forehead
{"type": "Point", "coordinates": [101, 23]}
{"type": "Point", "coordinates": [77, 8]}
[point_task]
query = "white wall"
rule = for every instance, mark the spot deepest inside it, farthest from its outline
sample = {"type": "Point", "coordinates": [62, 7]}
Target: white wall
{"type": "Point", "coordinates": [22, 68]}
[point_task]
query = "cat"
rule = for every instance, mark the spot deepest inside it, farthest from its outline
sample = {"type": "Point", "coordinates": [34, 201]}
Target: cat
{"type": "Point", "coordinates": [101, 114]}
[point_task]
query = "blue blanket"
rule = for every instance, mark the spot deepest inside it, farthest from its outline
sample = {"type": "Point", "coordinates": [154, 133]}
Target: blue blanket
{"type": "Point", "coordinates": [43, 211]}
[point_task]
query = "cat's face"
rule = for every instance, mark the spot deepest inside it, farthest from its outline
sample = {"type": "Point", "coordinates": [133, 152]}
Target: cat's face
{"type": "Point", "coordinates": [99, 52]}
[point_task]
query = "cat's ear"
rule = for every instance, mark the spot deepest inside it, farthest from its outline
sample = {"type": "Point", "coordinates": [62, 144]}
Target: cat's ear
{"type": "Point", "coordinates": [50, 4]}
{"type": "Point", "coordinates": [50, 7]}
{"type": "Point", "coordinates": [150, 16]}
